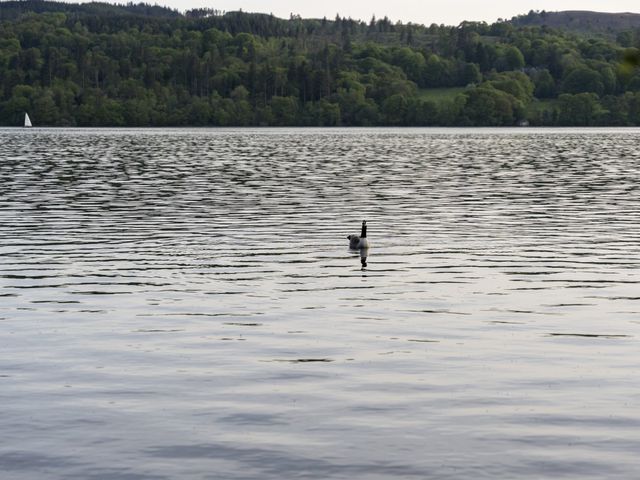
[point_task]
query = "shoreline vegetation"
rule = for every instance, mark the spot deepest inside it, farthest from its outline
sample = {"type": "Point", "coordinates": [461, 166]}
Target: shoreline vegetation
{"type": "Point", "coordinates": [139, 65]}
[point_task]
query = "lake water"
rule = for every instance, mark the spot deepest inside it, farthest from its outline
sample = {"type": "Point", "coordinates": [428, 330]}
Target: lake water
{"type": "Point", "coordinates": [182, 304]}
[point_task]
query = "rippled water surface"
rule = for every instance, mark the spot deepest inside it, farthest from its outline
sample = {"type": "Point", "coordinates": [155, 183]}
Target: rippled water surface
{"type": "Point", "coordinates": [182, 304]}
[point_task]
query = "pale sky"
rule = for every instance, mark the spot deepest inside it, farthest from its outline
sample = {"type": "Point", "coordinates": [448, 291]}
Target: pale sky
{"type": "Point", "coordinates": [450, 12]}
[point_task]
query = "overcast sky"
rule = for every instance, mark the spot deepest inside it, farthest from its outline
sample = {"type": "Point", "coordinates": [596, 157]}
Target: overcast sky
{"type": "Point", "coordinates": [450, 12]}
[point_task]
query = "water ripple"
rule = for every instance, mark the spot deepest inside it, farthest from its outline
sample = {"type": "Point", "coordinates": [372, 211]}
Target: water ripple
{"type": "Point", "coordinates": [183, 304]}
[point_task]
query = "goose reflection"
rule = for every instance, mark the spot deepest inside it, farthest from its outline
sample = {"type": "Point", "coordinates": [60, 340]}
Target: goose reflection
{"type": "Point", "coordinates": [364, 253]}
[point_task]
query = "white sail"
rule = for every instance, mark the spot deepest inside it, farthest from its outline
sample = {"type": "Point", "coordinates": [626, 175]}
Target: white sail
{"type": "Point", "coordinates": [27, 120]}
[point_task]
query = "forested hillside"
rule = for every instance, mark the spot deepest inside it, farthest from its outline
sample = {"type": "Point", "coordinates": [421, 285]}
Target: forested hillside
{"type": "Point", "coordinates": [141, 65]}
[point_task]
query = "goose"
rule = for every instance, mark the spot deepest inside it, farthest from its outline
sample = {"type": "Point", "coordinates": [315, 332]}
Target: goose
{"type": "Point", "coordinates": [359, 242]}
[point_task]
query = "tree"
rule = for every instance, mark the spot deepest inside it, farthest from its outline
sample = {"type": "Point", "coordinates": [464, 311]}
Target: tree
{"type": "Point", "coordinates": [285, 110]}
{"type": "Point", "coordinates": [45, 108]}
{"type": "Point", "coordinates": [328, 113]}
{"type": "Point", "coordinates": [582, 109]}
{"type": "Point", "coordinates": [411, 62]}
{"type": "Point", "coordinates": [517, 84]}
{"type": "Point", "coordinates": [487, 106]}
{"type": "Point", "coordinates": [545, 86]}
{"type": "Point", "coordinates": [511, 58]}
{"type": "Point", "coordinates": [423, 112]}
{"type": "Point", "coordinates": [242, 111]}
{"type": "Point", "coordinates": [582, 80]}
{"type": "Point", "coordinates": [470, 74]}
{"type": "Point", "coordinates": [395, 109]}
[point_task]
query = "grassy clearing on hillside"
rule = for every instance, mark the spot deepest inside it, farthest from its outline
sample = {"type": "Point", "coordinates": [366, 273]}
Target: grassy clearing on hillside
{"type": "Point", "coordinates": [539, 105]}
{"type": "Point", "coordinates": [439, 94]}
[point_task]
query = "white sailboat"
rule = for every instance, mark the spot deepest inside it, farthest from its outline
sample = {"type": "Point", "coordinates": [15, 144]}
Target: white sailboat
{"type": "Point", "coordinates": [27, 120]}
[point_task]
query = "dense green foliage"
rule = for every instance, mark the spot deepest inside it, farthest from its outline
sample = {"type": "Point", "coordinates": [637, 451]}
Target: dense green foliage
{"type": "Point", "coordinates": [138, 65]}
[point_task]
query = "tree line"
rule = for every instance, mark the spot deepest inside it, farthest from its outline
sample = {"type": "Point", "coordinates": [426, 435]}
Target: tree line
{"type": "Point", "coordinates": [141, 65]}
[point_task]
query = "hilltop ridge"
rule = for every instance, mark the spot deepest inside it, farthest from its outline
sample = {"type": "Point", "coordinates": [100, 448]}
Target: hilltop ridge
{"type": "Point", "coordinates": [14, 8]}
{"type": "Point", "coordinates": [580, 20]}
{"type": "Point", "coordinates": [576, 20]}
